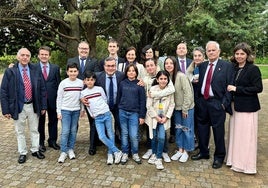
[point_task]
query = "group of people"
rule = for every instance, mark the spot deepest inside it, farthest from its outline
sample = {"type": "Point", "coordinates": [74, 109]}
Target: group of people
{"type": "Point", "coordinates": [121, 96]}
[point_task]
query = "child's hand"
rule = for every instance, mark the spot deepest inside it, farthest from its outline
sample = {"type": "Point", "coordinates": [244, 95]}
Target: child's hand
{"type": "Point", "coordinates": [141, 120]}
{"type": "Point", "coordinates": [84, 101]}
{"type": "Point", "coordinates": [59, 116]}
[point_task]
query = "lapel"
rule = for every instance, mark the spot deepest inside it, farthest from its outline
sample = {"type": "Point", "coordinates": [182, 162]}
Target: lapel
{"type": "Point", "coordinates": [217, 70]}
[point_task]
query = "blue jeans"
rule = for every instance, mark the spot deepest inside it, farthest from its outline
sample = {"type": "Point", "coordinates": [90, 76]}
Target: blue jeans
{"type": "Point", "coordinates": [129, 122]}
{"type": "Point", "coordinates": [158, 140]}
{"type": "Point", "coordinates": [69, 129]}
{"type": "Point", "coordinates": [184, 130]}
{"type": "Point", "coordinates": [104, 122]}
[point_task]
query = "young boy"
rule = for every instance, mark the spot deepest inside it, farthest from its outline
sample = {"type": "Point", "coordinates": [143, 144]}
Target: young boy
{"type": "Point", "coordinates": [99, 110]}
{"type": "Point", "coordinates": [68, 110]}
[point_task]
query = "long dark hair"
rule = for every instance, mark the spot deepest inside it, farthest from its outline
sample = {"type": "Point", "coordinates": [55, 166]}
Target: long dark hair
{"type": "Point", "coordinates": [160, 73]}
{"type": "Point", "coordinates": [175, 63]}
{"type": "Point", "coordinates": [247, 49]}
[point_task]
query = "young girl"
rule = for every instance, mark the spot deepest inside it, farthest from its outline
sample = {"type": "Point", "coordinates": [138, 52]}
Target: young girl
{"type": "Point", "coordinates": [68, 110]}
{"type": "Point", "coordinates": [132, 110]}
{"type": "Point", "coordinates": [159, 112]}
{"type": "Point", "coordinates": [184, 111]}
{"type": "Point", "coordinates": [151, 68]}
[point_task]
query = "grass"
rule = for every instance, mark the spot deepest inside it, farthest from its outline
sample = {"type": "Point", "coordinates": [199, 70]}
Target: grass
{"type": "Point", "coordinates": [264, 71]}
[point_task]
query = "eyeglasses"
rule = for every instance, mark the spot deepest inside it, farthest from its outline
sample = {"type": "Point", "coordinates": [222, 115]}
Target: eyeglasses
{"type": "Point", "coordinates": [80, 48]}
{"type": "Point", "coordinates": [110, 66]}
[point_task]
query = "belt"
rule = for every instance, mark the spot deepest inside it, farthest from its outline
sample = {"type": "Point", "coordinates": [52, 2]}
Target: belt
{"type": "Point", "coordinates": [28, 102]}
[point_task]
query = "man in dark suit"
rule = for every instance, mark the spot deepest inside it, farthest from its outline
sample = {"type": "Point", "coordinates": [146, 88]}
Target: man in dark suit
{"type": "Point", "coordinates": [183, 61]}
{"type": "Point", "coordinates": [104, 81]}
{"type": "Point", "coordinates": [51, 76]}
{"type": "Point", "coordinates": [113, 49]}
{"type": "Point", "coordinates": [86, 63]}
{"type": "Point", "coordinates": [212, 104]}
{"type": "Point", "coordinates": [23, 97]}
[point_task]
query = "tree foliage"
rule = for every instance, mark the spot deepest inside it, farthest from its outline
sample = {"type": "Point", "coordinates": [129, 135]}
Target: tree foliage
{"type": "Point", "coordinates": [163, 23]}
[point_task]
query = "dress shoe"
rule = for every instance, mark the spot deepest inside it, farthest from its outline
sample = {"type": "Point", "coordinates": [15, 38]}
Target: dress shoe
{"type": "Point", "coordinates": [22, 159]}
{"type": "Point", "coordinates": [199, 156]}
{"type": "Point", "coordinates": [38, 154]}
{"type": "Point", "coordinates": [217, 164]}
{"type": "Point", "coordinates": [91, 152]}
{"type": "Point", "coordinates": [171, 139]}
{"type": "Point", "coordinates": [54, 145]}
{"type": "Point", "coordinates": [42, 148]}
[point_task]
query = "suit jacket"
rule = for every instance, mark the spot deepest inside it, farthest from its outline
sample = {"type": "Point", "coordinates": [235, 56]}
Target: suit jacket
{"type": "Point", "coordinates": [188, 62]}
{"type": "Point", "coordinates": [101, 64]}
{"type": "Point", "coordinates": [90, 65]}
{"type": "Point", "coordinates": [12, 91]}
{"type": "Point", "coordinates": [221, 78]}
{"type": "Point", "coordinates": [248, 85]}
{"type": "Point", "coordinates": [52, 83]}
{"type": "Point", "coordinates": [101, 79]}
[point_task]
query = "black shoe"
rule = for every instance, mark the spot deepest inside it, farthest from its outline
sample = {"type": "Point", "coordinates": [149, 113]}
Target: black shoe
{"type": "Point", "coordinates": [217, 164]}
{"type": "Point", "coordinates": [54, 145]}
{"type": "Point", "coordinates": [42, 148]}
{"type": "Point", "coordinates": [91, 152]}
{"type": "Point", "coordinates": [38, 154]}
{"type": "Point", "coordinates": [199, 156]}
{"type": "Point", "coordinates": [22, 159]}
{"type": "Point", "coordinates": [171, 139]}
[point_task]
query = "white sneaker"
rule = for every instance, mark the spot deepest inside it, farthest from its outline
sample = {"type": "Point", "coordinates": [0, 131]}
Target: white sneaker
{"type": "Point", "coordinates": [124, 158]}
{"type": "Point", "coordinates": [110, 159]}
{"type": "Point", "coordinates": [136, 158]}
{"type": "Point", "coordinates": [148, 154]}
{"type": "Point", "coordinates": [62, 157]}
{"type": "Point", "coordinates": [117, 157]}
{"type": "Point", "coordinates": [71, 154]}
{"type": "Point", "coordinates": [166, 157]}
{"type": "Point", "coordinates": [184, 157]}
{"type": "Point", "coordinates": [158, 164]}
{"type": "Point", "coordinates": [176, 156]}
{"type": "Point", "coordinates": [152, 159]}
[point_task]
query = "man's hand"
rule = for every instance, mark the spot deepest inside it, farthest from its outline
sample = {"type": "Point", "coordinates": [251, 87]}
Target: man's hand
{"type": "Point", "coordinates": [8, 116]}
{"type": "Point", "coordinates": [85, 101]}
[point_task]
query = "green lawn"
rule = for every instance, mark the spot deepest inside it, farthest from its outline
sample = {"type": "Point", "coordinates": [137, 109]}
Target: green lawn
{"type": "Point", "coordinates": [264, 71]}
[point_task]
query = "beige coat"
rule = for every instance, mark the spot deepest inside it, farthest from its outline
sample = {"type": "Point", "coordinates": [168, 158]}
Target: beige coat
{"type": "Point", "coordinates": [152, 109]}
{"type": "Point", "coordinates": [184, 94]}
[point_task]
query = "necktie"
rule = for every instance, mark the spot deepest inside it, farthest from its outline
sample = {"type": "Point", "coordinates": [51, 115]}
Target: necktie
{"type": "Point", "coordinates": [27, 85]}
{"type": "Point", "coordinates": [182, 66]}
{"type": "Point", "coordinates": [208, 81]}
{"type": "Point", "coordinates": [82, 66]}
{"type": "Point", "coordinates": [45, 72]}
{"type": "Point", "coordinates": [111, 93]}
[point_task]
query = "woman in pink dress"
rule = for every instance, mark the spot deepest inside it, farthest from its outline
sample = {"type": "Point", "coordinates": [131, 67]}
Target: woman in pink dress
{"type": "Point", "coordinates": [243, 126]}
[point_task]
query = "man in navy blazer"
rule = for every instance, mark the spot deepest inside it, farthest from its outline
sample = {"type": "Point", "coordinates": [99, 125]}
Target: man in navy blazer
{"type": "Point", "coordinates": [211, 110]}
{"type": "Point", "coordinates": [52, 81]}
{"type": "Point", "coordinates": [90, 64]}
{"type": "Point", "coordinates": [103, 81]}
{"type": "Point", "coordinates": [22, 100]}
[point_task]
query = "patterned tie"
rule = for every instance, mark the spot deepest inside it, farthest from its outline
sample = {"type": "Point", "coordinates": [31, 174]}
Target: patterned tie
{"type": "Point", "coordinates": [82, 66]}
{"type": "Point", "coordinates": [111, 93]}
{"type": "Point", "coordinates": [27, 85]}
{"type": "Point", "coordinates": [208, 81]}
{"type": "Point", "coordinates": [182, 66]}
{"type": "Point", "coordinates": [45, 72]}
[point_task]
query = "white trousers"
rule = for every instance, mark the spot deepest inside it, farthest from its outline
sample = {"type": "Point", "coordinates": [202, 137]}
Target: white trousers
{"type": "Point", "coordinates": [20, 124]}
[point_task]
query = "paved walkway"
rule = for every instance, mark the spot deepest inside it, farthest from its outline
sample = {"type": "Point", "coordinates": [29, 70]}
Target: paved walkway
{"type": "Point", "coordinates": [92, 171]}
